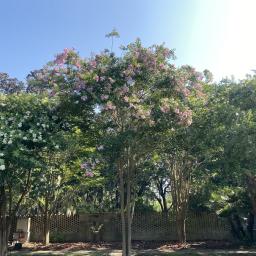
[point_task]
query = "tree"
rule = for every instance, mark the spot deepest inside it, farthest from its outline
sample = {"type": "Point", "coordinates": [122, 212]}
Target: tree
{"type": "Point", "coordinates": [26, 123]}
{"type": "Point", "coordinates": [112, 34]}
{"type": "Point", "coordinates": [228, 125]}
{"type": "Point", "coordinates": [10, 85]}
{"type": "Point", "coordinates": [130, 101]}
{"type": "Point", "coordinates": [146, 100]}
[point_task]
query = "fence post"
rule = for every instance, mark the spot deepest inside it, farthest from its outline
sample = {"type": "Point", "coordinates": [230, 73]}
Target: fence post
{"type": "Point", "coordinates": [24, 225]}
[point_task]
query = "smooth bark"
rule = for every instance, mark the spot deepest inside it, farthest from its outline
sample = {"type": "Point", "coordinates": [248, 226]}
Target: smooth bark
{"type": "Point", "coordinates": [129, 219]}
{"type": "Point", "coordinates": [121, 188]}
{"type": "Point", "coordinates": [3, 223]}
{"type": "Point", "coordinates": [180, 174]}
{"type": "Point", "coordinates": [46, 232]}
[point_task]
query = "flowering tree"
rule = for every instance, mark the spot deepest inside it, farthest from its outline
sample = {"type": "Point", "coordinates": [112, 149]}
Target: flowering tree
{"type": "Point", "coordinates": [27, 125]}
{"type": "Point", "coordinates": [134, 101]}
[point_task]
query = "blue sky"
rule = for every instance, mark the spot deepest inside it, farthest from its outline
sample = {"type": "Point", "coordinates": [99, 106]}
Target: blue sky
{"type": "Point", "coordinates": [213, 34]}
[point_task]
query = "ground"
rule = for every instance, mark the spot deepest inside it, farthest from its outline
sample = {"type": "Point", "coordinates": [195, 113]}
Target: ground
{"type": "Point", "coordinates": [210, 248]}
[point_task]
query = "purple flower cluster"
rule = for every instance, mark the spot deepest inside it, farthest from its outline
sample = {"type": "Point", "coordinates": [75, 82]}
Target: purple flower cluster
{"type": "Point", "coordinates": [88, 167]}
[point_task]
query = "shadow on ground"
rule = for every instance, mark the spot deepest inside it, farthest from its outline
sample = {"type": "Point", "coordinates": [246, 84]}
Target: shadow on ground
{"type": "Point", "coordinates": [138, 253]}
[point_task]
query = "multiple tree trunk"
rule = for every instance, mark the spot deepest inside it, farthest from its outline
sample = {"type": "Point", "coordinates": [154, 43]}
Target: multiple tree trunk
{"type": "Point", "coordinates": [251, 187]}
{"type": "Point", "coordinates": [180, 174]}
{"type": "Point", "coordinates": [3, 223]}
{"type": "Point", "coordinates": [9, 209]}
{"type": "Point", "coordinates": [125, 171]}
{"type": "Point", "coordinates": [163, 187]}
{"type": "Point", "coordinates": [180, 166]}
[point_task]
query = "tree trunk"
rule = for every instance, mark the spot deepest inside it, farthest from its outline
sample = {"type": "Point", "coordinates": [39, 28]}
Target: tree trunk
{"type": "Point", "coordinates": [3, 236]}
{"type": "Point", "coordinates": [129, 217]}
{"type": "Point", "coordinates": [121, 177]}
{"type": "Point", "coordinates": [180, 184]}
{"type": "Point", "coordinates": [3, 223]}
{"type": "Point", "coordinates": [165, 206]}
{"type": "Point", "coordinates": [46, 229]}
{"type": "Point", "coordinates": [181, 227]}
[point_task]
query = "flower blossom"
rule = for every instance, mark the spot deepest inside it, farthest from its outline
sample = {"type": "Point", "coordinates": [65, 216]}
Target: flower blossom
{"type": "Point", "coordinates": [184, 116]}
{"type": "Point", "coordinates": [110, 106]}
{"type": "Point", "coordinates": [111, 80]}
{"type": "Point", "coordinates": [104, 97]}
{"type": "Point", "coordinates": [88, 174]}
{"type": "Point", "coordinates": [96, 78]}
{"type": "Point", "coordinates": [61, 58]}
{"type": "Point", "coordinates": [165, 109]}
{"type": "Point", "coordinates": [85, 165]}
{"type": "Point", "coordinates": [84, 98]}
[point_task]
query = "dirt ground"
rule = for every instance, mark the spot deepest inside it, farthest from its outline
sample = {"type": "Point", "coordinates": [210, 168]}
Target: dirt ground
{"type": "Point", "coordinates": [138, 245]}
{"type": "Point", "coordinates": [211, 248]}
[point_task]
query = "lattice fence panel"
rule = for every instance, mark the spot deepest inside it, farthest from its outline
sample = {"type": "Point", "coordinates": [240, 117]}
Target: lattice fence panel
{"type": "Point", "coordinates": [202, 226]}
{"type": "Point", "coordinates": [145, 226]}
{"type": "Point", "coordinates": [59, 223]}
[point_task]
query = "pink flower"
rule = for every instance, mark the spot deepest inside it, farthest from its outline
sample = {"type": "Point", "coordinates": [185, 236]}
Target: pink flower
{"type": "Point", "coordinates": [162, 66]}
{"type": "Point", "coordinates": [126, 99]}
{"type": "Point", "coordinates": [96, 78]}
{"type": "Point", "coordinates": [93, 64]}
{"type": "Point", "coordinates": [78, 64]}
{"type": "Point", "coordinates": [184, 90]}
{"type": "Point", "coordinates": [52, 93]}
{"type": "Point", "coordinates": [166, 52]}
{"type": "Point", "coordinates": [61, 58]}
{"type": "Point", "coordinates": [67, 50]}
{"type": "Point", "coordinates": [104, 97]}
{"type": "Point", "coordinates": [124, 89]}
{"type": "Point", "coordinates": [111, 80]}
{"type": "Point", "coordinates": [176, 110]}
{"type": "Point", "coordinates": [165, 109]}
{"type": "Point", "coordinates": [85, 165]}
{"type": "Point", "coordinates": [185, 117]}
{"type": "Point", "coordinates": [110, 106]}
{"type": "Point", "coordinates": [89, 174]}
{"type": "Point", "coordinates": [79, 85]}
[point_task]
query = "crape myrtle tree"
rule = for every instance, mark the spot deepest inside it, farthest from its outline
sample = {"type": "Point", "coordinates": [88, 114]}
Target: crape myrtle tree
{"type": "Point", "coordinates": [148, 100]}
{"type": "Point", "coordinates": [132, 99]}
{"type": "Point", "coordinates": [180, 155]}
{"type": "Point", "coordinates": [26, 125]}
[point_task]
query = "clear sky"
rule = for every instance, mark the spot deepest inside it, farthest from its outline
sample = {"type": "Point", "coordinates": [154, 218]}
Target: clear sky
{"type": "Point", "coordinates": [215, 34]}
